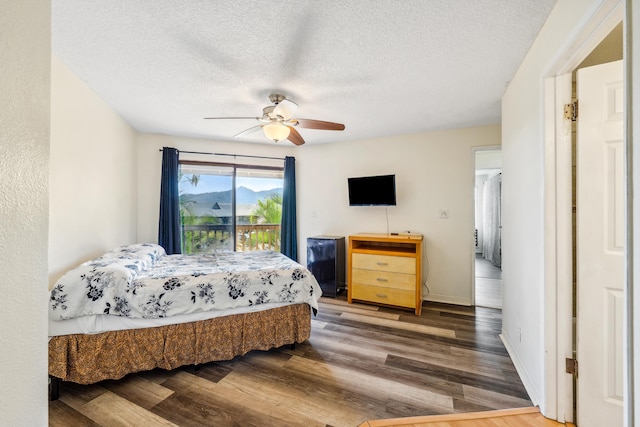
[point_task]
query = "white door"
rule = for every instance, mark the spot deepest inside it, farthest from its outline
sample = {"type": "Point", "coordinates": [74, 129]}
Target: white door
{"type": "Point", "coordinates": [600, 245]}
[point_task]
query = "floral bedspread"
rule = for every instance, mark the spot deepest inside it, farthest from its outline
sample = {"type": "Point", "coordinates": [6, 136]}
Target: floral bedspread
{"type": "Point", "coordinates": [141, 281]}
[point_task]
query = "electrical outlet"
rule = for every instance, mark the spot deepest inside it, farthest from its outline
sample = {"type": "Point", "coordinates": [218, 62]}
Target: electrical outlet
{"type": "Point", "coordinates": [444, 214]}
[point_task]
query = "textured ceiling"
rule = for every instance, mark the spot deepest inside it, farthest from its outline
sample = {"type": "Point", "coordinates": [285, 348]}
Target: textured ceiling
{"type": "Point", "coordinates": [381, 67]}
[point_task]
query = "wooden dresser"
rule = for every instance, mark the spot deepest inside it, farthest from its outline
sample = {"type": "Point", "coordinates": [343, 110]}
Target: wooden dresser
{"type": "Point", "coordinates": [386, 269]}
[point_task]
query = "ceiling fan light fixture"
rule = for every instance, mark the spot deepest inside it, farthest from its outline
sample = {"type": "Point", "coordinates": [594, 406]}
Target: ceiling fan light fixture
{"type": "Point", "coordinates": [285, 109]}
{"type": "Point", "coordinates": [277, 122]}
{"type": "Point", "coordinates": [276, 131]}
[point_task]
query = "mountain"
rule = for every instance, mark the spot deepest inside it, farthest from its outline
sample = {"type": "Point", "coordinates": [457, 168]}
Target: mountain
{"type": "Point", "coordinates": [243, 196]}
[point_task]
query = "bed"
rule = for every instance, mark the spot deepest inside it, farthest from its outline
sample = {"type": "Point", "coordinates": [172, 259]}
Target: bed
{"type": "Point", "coordinates": [136, 308]}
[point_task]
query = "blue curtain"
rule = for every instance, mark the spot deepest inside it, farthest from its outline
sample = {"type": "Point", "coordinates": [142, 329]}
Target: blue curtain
{"type": "Point", "coordinates": [169, 225]}
{"type": "Point", "coordinates": [288, 234]}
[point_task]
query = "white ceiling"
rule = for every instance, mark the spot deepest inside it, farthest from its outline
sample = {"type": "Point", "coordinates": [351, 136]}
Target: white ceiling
{"type": "Point", "coordinates": [381, 67]}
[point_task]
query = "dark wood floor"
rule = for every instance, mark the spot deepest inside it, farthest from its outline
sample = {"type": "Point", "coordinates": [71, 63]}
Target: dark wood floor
{"type": "Point", "coordinates": [361, 363]}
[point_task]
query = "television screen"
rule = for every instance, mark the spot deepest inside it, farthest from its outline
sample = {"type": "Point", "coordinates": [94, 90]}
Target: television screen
{"type": "Point", "coordinates": [372, 191]}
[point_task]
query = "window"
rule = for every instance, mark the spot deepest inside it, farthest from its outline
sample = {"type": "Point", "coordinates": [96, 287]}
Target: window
{"type": "Point", "coordinates": [225, 207]}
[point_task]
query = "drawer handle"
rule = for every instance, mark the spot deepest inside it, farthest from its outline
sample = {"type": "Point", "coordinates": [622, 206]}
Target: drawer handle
{"type": "Point", "coordinates": [381, 295]}
{"type": "Point", "coordinates": [382, 279]}
{"type": "Point", "coordinates": [382, 263]}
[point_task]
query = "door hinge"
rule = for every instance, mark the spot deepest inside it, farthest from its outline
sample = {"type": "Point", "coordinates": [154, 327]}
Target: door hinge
{"type": "Point", "coordinates": [572, 367]}
{"type": "Point", "coordinates": [571, 111]}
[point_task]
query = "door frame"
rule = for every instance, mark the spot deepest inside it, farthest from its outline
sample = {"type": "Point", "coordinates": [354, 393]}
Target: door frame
{"type": "Point", "coordinates": [558, 275]}
{"type": "Point", "coordinates": [632, 70]}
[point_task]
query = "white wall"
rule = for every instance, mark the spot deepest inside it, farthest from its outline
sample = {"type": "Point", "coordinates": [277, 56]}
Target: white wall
{"type": "Point", "coordinates": [433, 171]}
{"type": "Point", "coordinates": [92, 178]}
{"type": "Point", "coordinates": [24, 165]}
{"type": "Point", "coordinates": [523, 181]}
{"type": "Point", "coordinates": [488, 159]}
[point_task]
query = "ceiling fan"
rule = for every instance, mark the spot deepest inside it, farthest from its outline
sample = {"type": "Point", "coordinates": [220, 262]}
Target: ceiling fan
{"type": "Point", "coordinates": [277, 122]}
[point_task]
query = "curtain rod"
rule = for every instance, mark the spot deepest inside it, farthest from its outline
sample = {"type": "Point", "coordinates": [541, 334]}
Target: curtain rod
{"type": "Point", "coordinates": [230, 155]}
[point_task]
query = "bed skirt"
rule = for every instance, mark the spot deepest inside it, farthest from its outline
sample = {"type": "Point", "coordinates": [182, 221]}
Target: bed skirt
{"type": "Point", "coordinates": [87, 359]}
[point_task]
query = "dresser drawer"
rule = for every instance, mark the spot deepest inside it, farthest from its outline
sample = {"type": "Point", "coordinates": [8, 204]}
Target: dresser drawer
{"type": "Point", "coordinates": [384, 263]}
{"type": "Point", "coordinates": [384, 279]}
{"type": "Point", "coordinates": [383, 295]}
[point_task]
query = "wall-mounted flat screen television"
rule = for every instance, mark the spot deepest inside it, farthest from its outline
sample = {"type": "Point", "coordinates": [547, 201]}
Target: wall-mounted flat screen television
{"type": "Point", "coordinates": [372, 190]}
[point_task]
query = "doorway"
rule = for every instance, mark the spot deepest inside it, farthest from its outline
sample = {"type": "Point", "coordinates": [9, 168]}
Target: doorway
{"type": "Point", "coordinates": [599, 233]}
{"type": "Point", "coordinates": [561, 248]}
{"type": "Point", "coordinates": [487, 228]}
{"type": "Point", "coordinates": [600, 245]}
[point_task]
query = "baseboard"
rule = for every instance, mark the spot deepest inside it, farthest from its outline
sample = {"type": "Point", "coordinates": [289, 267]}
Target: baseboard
{"type": "Point", "coordinates": [534, 393]}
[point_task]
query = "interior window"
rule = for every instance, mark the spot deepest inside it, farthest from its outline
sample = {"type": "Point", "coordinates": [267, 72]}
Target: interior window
{"type": "Point", "coordinates": [229, 207]}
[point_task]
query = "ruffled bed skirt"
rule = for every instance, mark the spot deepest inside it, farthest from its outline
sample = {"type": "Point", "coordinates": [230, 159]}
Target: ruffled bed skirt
{"type": "Point", "coordinates": [87, 359]}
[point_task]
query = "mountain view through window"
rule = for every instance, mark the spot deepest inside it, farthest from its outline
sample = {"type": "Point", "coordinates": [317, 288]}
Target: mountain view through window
{"type": "Point", "coordinates": [229, 207]}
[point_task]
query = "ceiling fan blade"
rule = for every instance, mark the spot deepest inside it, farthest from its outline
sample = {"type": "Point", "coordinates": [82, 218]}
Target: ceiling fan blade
{"type": "Point", "coordinates": [248, 131]}
{"type": "Point", "coordinates": [295, 137]}
{"type": "Point", "coordinates": [318, 124]}
{"type": "Point", "coordinates": [231, 118]}
{"type": "Point", "coordinates": [285, 109]}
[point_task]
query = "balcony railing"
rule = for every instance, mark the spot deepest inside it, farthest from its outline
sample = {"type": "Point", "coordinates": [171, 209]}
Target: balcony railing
{"type": "Point", "coordinates": [209, 238]}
